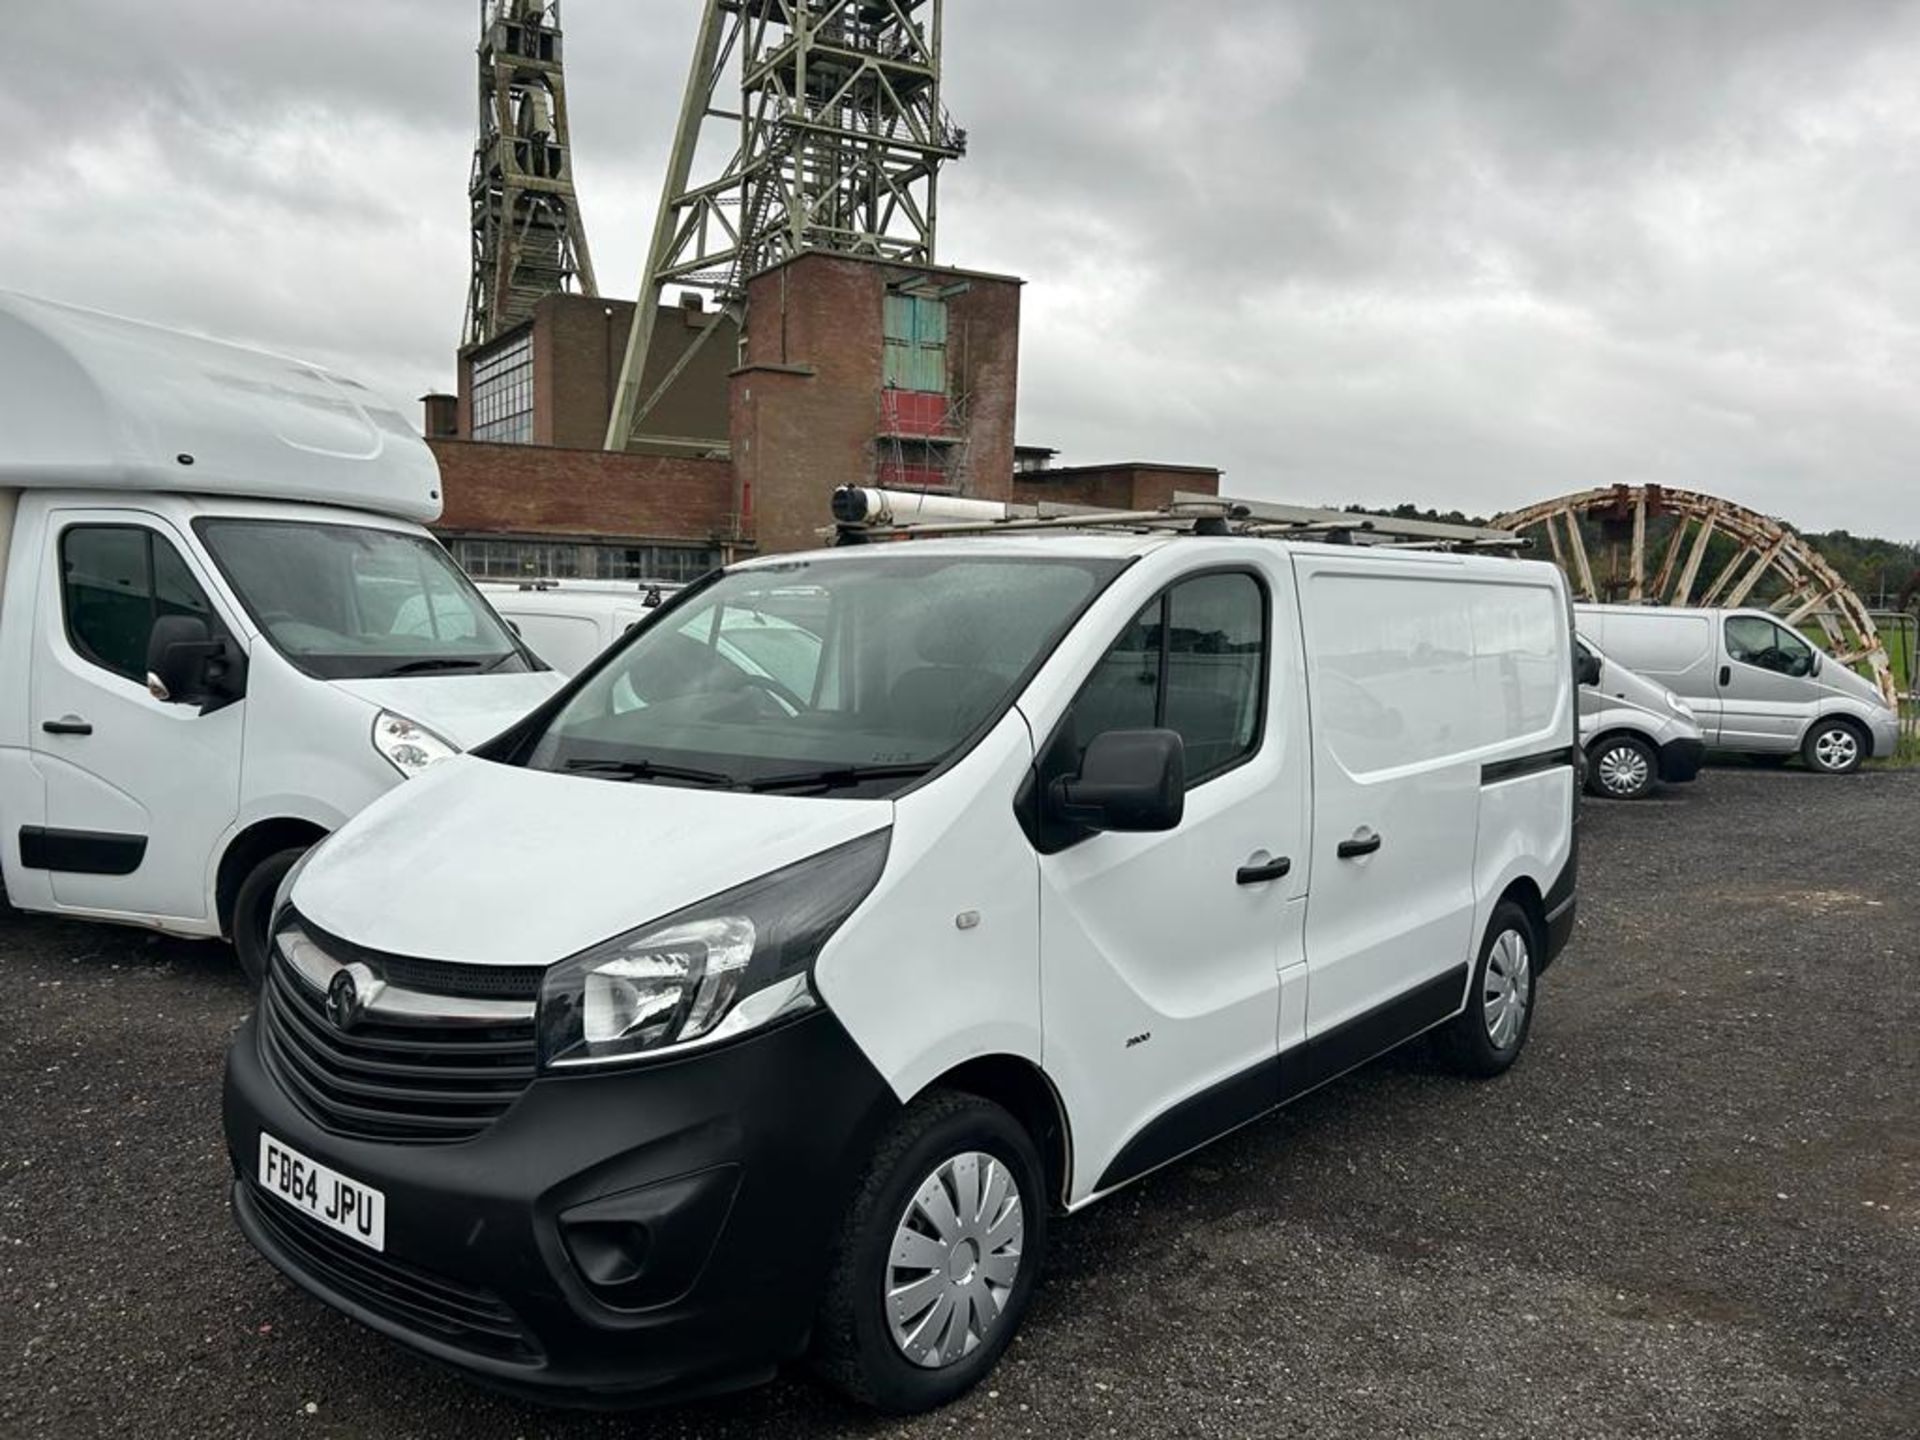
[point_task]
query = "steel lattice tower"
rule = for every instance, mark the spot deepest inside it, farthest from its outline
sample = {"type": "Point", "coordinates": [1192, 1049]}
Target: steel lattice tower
{"type": "Point", "coordinates": [836, 135]}
{"type": "Point", "coordinates": [528, 240]}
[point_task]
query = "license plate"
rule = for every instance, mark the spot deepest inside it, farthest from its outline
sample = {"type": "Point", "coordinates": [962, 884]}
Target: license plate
{"type": "Point", "coordinates": [357, 1211]}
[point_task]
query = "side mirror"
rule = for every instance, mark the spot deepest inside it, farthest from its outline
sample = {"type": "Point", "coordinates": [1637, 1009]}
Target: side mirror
{"type": "Point", "coordinates": [1586, 669]}
{"type": "Point", "coordinates": [187, 665]}
{"type": "Point", "coordinates": [1133, 780]}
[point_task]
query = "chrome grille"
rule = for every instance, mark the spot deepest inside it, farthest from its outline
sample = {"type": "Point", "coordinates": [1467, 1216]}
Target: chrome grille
{"type": "Point", "coordinates": [410, 1078]}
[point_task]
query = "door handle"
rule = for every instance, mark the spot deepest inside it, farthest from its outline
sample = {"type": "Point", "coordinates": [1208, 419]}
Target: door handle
{"type": "Point", "coordinates": [1726, 674]}
{"type": "Point", "coordinates": [67, 725]}
{"type": "Point", "coordinates": [1361, 845]}
{"type": "Point", "coordinates": [1260, 874]}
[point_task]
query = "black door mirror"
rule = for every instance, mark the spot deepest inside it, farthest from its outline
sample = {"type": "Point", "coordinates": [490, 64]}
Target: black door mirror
{"type": "Point", "coordinates": [1586, 668]}
{"type": "Point", "coordinates": [1128, 780]}
{"type": "Point", "coordinates": [188, 665]}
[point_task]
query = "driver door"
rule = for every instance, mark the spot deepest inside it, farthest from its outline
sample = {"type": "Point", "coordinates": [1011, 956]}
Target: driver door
{"type": "Point", "coordinates": [1764, 704]}
{"type": "Point", "coordinates": [138, 793]}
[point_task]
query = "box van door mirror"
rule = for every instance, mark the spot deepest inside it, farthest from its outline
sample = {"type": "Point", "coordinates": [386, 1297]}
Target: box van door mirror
{"type": "Point", "coordinates": [1586, 668]}
{"type": "Point", "coordinates": [188, 665]}
{"type": "Point", "coordinates": [1133, 780]}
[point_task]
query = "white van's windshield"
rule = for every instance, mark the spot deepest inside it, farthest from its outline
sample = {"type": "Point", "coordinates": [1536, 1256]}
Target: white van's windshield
{"type": "Point", "coordinates": [352, 602]}
{"type": "Point", "coordinates": [821, 675]}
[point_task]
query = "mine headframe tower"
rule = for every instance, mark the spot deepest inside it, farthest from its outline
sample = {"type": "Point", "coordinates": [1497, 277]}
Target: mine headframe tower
{"type": "Point", "coordinates": [528, 240]}
{"type": "Point", "coordinates": [830, 114]}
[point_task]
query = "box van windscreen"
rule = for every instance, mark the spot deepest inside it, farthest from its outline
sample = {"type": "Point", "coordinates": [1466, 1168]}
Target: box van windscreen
{"type": "Point", "coordinates": [822, 674]}
{"type": "Point", "coordinates": [354, 602]}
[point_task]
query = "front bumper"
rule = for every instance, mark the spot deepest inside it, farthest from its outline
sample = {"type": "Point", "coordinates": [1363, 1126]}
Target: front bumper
{"type": "Point", "coordinates": [1886, 736]}
{"type": "Point", "coordinates": [1680, 760]}
{"type": "Point", "coordinates": [702, 1195]}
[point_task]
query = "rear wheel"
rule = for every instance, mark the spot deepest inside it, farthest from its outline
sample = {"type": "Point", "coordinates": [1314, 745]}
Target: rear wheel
{"type": "Point", "coordinates": [1835, 747]}
{"type": "Point", "coordinates": [937, 1259]}
{"type": "Point", "coordinates": [1623, 767]}
{"type": "Point", "coordinates": [253, 912]}
{"type": "Point", "coordinates": [1487, 1037]}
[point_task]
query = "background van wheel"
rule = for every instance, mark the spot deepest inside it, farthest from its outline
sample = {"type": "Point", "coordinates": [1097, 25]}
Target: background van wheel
{"type": "Point", "coordinates": [937, 1258]}
{"type": "Point", "coordinates": [1487, 1037]}
{"type": "Point", "coordinates": [1835, 747]}
{"type": "Point", "coordinates": [1622, 767]}
{"type": "Point", "coordinates": [253, 911]}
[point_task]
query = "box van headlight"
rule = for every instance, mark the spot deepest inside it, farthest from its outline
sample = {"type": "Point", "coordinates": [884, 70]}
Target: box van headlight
{"type": "Point", "coordinates": [1680, 707]}
{"type": "Point", "coordinates": [715, 970]}
{"type": "Point", "coordinates": [408, 745]}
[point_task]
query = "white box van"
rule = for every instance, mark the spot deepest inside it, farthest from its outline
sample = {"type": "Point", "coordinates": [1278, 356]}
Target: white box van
{"type": "Point", "coordinates": [731, 1015]}
{"type": "Point", "coordinates": [222, 630]}
{"type": "Point", "coordinates": [1756, 684]}
{"type": "Point", "coordinates": [1637, 734]}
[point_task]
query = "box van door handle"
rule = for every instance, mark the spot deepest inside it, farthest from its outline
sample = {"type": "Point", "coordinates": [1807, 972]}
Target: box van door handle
{"type": "Point", "coordinates": [1260, 874]}
{"type": "Point", "coordinates": [67, 725]}
{"type": "Point", "coordinates": [1360, 845]}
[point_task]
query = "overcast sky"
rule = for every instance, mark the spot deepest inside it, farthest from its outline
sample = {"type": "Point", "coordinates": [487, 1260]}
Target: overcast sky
{"type": "Point", "coordinates": [1471, 253]}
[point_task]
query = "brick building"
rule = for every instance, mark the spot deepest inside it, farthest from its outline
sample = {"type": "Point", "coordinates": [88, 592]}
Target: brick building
{"type": "Point", "coordinates": [847, 371]}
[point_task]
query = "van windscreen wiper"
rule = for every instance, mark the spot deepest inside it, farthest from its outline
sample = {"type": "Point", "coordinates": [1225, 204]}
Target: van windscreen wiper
{"type": "Point", "coordinates": [839, 777]}
{"type": "Point", "coordinates": [648, 770]}
{"type": "Point", "coordinates": [421, 667]}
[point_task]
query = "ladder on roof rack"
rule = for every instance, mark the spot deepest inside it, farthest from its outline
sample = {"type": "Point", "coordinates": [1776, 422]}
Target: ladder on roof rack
{"type": "Point", "coordinates": [863, 514]}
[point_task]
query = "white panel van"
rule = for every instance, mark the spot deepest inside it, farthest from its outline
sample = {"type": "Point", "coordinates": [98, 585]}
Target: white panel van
{"type": "Point", "coordinates": [1757, 685]}
{"type": "Point", "coordinates": [222, 627]}
{"type": "Point", "coordinates": [737, 1013]}
{"type": "Point", "coordinates": [1637, 734]}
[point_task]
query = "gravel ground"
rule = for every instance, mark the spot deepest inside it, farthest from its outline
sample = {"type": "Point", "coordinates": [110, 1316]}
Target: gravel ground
{"type": "Point", "coordinates": [1692, 1210]}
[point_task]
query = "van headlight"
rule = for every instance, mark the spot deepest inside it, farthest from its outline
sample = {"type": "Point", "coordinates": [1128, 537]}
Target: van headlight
{"type": "Point", "coordinates": [408, 745]}
{"type": "Point", "coordinates": [1679, 706]}
{"type": "Point", "coordinates": [718, 969]}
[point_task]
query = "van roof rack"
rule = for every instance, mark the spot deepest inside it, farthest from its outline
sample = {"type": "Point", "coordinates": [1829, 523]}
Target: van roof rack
{"type": "Point", "coordinates": [862, 514]}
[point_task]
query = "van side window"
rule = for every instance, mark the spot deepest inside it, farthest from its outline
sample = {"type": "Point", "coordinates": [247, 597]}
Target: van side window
{"type": "Point", "coordinates": [115, 581]}
{"type": "Point", "coordinates": [1753, 640]}
{"type": "Point", "coordinates": [1193, 661]}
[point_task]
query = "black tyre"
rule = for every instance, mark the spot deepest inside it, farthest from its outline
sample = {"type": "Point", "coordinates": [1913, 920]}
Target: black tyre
{"type": "Point", "coordinates": [1622, 767]}
{"type": "Point", "coordinates": [1487, 1037]}
{"type": "Point", "coordinates": [937, 1259]}
{"type": "Point", "coordinates": [253, 912]}
{"type": "Point", "coordinates": [1835, 747]}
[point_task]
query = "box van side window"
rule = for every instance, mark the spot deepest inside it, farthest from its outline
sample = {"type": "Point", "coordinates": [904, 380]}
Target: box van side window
{"type": "Point", "coordinates": [1194, 660]}
{"type": "Point", "coordinates": [116, 580]}
{"type": "Point", "coordinates": [1753, 640]}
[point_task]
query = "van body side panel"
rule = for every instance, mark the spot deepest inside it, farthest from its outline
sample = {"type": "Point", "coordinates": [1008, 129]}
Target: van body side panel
{"type": "Point", "coordinates": [941, 964]}
{"type": "Point", "coordinates": [1526, 833]}
{"type": "Point", "coordinates": [1677, 649]}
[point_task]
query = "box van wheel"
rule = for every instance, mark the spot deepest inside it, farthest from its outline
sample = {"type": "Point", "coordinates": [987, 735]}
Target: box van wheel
{"type": "Point", "coordinates": [1623, 767]}
{"type": "Point", "coordinates": [937, 1258]}
{"type": "Point", "coordinates": [1487, 1037]}
{"type": "Point", "coordinates": [253, 911]}
{"type": "Point", "coordinates": [1835, 747]}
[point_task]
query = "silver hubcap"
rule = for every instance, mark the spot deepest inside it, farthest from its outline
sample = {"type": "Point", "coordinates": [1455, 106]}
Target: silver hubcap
{"type": "Point", "coordinates": [1624, 770]}
{"type": "Point", "coordinates": [1836, 749]}
{"type": "Point", "coordinates": [956, 1255]}
{"type": "Point", "coordinates": [1508, 989]}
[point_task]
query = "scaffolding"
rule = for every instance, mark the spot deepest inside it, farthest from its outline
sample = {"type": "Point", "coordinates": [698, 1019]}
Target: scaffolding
{"type": "Point", "coordinates": [528, 239]}
{"type": "Point", "coordinates": [829, 114]}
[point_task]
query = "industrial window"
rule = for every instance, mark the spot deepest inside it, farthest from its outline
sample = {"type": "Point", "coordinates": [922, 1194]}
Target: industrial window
{"type": "Point", "coordinates": [1194, 661]}
{"type": "Point", "coordinates": [916, 343]}
{"type": "Point", "coordinates": [503, 559]}
{"type": "Point", "coordinates": [503, 392]}
{"type": "Point", "coordinates": [116, 581]}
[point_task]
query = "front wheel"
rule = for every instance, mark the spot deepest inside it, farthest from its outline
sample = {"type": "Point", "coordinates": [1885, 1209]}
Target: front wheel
{"type": "Point", "coordinates": [253, 912]}
{"type": "Point", "coordinates": [937, 1259]}
{"type": "Point", "coordinates": [1487, 1037]}
{"type": "Point", "coordinates": [1835, 747]}
{"type": "Point", "coordinates": [1622, 767]}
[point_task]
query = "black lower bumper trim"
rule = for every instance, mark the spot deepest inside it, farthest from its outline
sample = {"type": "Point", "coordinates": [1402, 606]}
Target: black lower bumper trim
{"type": "Point", "coordinates": [1680, 760]}
{"type": "Point", "coordinates": [616, 1238]}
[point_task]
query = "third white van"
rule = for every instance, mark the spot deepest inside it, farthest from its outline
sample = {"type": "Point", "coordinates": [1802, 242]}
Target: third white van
{"type": "Point", "coordinates": [1757, 685]}
{"type": "Point", "coordinates": [737, 1014]}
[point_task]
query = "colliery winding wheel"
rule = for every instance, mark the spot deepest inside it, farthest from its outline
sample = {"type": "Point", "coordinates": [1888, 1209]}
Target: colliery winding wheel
{"type": "Point", "coordinates": [1678, 547]}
